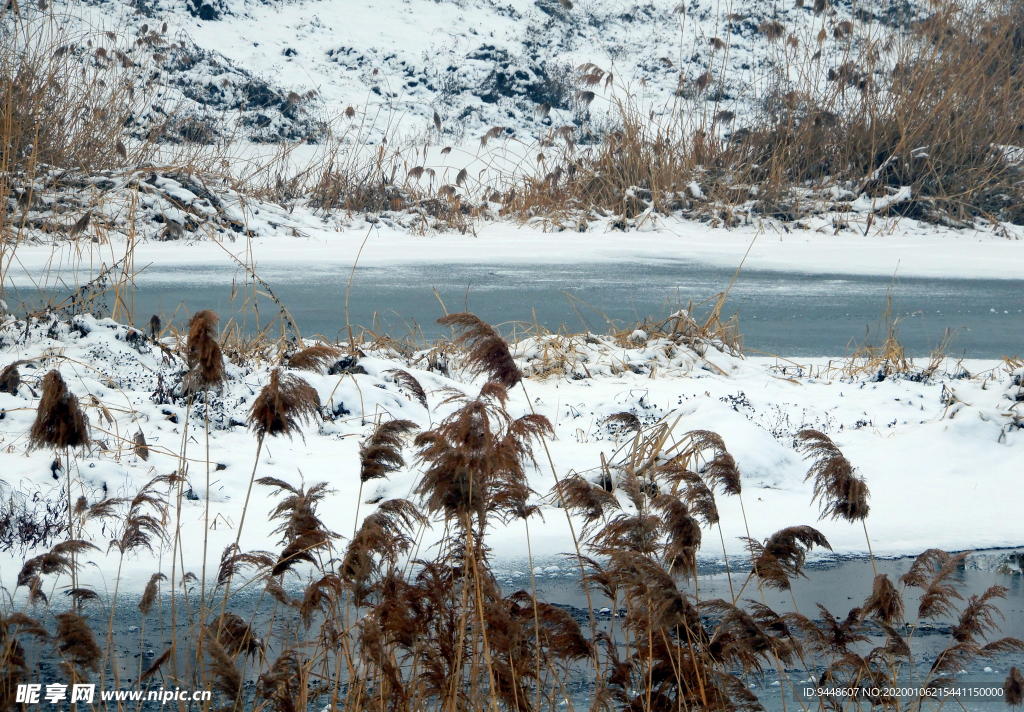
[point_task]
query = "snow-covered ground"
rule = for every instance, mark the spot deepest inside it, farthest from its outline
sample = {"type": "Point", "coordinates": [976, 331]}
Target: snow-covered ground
{"type": "Point", "coordinates": [941, 454]}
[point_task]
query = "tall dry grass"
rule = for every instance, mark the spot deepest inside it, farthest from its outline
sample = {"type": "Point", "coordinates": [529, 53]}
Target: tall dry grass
{"type": "Point", "coordinates": [934, 108]}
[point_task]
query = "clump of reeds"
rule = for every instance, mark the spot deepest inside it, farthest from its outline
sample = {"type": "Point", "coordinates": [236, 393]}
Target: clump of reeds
{"type": "Point", "coordinates": [60, 422]}
{"type": "Point", "coordinates": [66, 108]}
{"type": "Point", "coordinates": [10, 378]}
{"type": "Point", "coordinates": [931, 110]}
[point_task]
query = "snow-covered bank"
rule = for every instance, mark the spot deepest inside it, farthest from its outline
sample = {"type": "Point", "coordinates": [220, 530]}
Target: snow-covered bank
{"type": "Point", "coordinates": [304, 239]}
{"type": "Point", "coordinates": [941, 453]}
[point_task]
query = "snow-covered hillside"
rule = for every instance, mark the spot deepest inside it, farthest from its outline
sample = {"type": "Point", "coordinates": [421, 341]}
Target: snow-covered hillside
{"type": "Point", "coordinates": [378, 68]}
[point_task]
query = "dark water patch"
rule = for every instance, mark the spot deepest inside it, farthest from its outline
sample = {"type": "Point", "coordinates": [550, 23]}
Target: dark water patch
{"type": "Point", "coordinates": [789, 314]}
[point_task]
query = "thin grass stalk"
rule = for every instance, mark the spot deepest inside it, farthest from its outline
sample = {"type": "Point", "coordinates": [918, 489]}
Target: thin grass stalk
{"type": "Point", "coordinates": [480, 611]}
{"type": "Point", "coordinates": [177, 540]}
{"type": "Point", "coordinates": [728, 573]}
{"type": "Point", "coordinates": [206, 511]}
{"type": "Point", "coordinates": [871, 553]}
{"type": "Point", "coordinates": [536, 614]}
{"type": "Point", "coordinates": [241, 521]}
{"type": "Point", "coordinates": [575, 539]}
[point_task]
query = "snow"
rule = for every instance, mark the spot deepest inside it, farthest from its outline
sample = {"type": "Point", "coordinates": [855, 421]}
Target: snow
{"type": "Point", "coordinates": [934, 452]}
{"type": "Point", "coordinates": [478, 63]}
{"type": "Point", "coordinates": [304, 239]}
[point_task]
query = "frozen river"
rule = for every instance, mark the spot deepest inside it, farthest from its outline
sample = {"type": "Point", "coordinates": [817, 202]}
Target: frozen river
{"type": "Point", "coordinates": [790, 314]}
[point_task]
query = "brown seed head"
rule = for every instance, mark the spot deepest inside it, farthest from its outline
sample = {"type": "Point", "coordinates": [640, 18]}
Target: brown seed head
{"type": "Point", "coordinates": [885, 603]}
{"type": "Point", "coordinates": [314, 358]}
{"type": "Point", "coordinates": [840, 491]}
{"type": "Point", "coordinates": [282, 405]}
{"type": "Point", "coordinates": [205, 360]}
{"type": "Point", "coordinates": [487, 352]}
{"type": "Point", "coordinates": [381, 454]}
{"type": "Point", "coordinates": [150, 593]}
{"type": "Point", "coordinates": [1013, 688]}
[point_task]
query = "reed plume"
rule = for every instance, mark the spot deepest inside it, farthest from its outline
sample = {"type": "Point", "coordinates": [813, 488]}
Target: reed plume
{"type": "Point", "coordinates": [315, 358]}
{"type": "Point", "coordinates": [474, 453]}
{"type": "Point", "coordinates": [841, 493]}
{"type": "Point", "coordinates": [283, 404]}
{"type": "Point", "coordinates": [204, 358]}
{"type": "Point", "coordinates": [979, 615]}
{"type": "Point", "coordinates": [80, 595]}
{"type": "Point", "coordinates": [283, 685]}
{"type": "Point", "coordinates": [60, 559]}
{"type": "Point", "coordinates": [155, 666]}
{"type": "Point", "coordinates": [233, 561]}
{"type": "Point", "coordinates": [60, 422]}
{"type": "Point", "coordinates": [592, 503]}
{"type": "Point", "coordinates": [624, 421]}
{"type": "Point", "coordinates": [302, 532]}
{"type": "Point", "coordinates": [381, 453]}
{"type": "Point", "coordinates": [236, 636]}
{"type": "Point", "coordinates": [140, 448]}
{"type": "Point", "coordinates": [934, 573]}
{"type": "Point", "coordinates": [144, 520]}
{"type": "Point", "coordinates": [699, 498]}
{"type": "Point", "coordinates": [226, 678]}
{"type": "Point", "coordinates": [783, 554]}
{"type": "Point", "coordinates": [407, 381]}
{"type": "Point", "coordinates": [1013, 688]}
{"type": "Point", "coordinates": [682, 534]}
{"type": "Point", "coordinates": [381, 539]}
{"type": "Point", "coordinates": [77, 646]}
{"type": "Point", "coordinates": [720, 470]}
{"type": "Point", "coordinates": [150, 593]}
{"type": "Point", "coordinates": [486, 352]}
{"type": "Point", "coordinates": [835, 635]}
{"type": "Point", "coordinates": [10, 377]}
{"type": "Point", "coordinates": [738, 641]}
{"type": "Point", "coordinates": [885, 603]}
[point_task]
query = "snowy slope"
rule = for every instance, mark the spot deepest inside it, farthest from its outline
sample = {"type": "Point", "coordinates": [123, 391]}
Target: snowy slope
{"type": "Point", "coordinates": [483, 63]}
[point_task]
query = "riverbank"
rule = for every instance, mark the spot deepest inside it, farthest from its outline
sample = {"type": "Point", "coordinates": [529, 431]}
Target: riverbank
{"type": "Point", "coordinates": [937, 443]}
